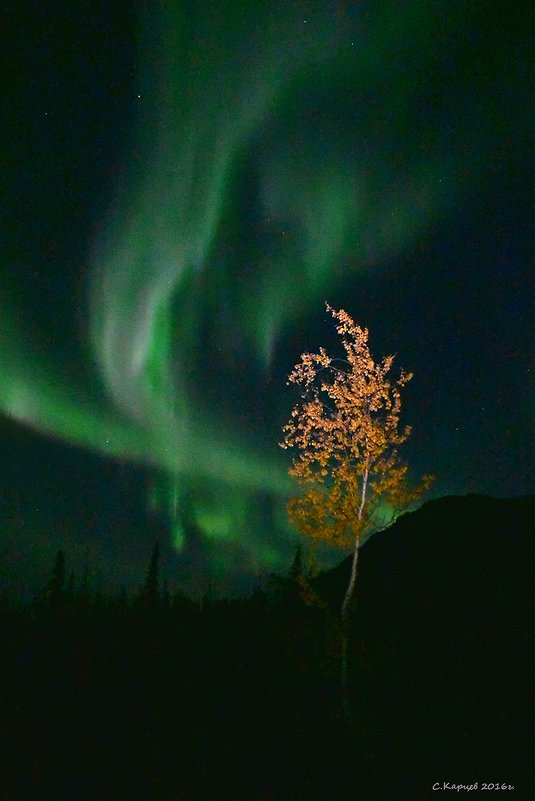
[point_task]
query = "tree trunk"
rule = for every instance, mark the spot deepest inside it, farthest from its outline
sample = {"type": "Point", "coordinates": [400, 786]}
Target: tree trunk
{"type": "Point", "coordinates": [345, 631]}
{"type": "Point", "coordinates": [347, 599]}
{"type": "Point", "coordinates": [352, 580]}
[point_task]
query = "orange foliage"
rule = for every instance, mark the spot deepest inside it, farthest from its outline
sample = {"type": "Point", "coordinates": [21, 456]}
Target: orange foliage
{"type": "Point", "coordinates": [346, 430]}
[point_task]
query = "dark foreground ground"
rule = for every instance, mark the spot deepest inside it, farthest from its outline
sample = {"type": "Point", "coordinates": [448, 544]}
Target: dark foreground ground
{"type": "Point", "coordinates": [147, 699]}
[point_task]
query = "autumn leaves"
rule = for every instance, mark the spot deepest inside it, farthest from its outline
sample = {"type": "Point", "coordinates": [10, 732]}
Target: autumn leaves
{"type": "Point", "coordinates": [345, 430]}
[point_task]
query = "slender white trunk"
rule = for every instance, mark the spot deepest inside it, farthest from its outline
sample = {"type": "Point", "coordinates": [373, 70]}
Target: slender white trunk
{"type": "Point", "coordinates": [353, 578]}
{"type": "Point", "coordinates": [345, 633]}
{"type": "Point", "coordinates": [347, 599]}
{"type": "Point", "coordinates": [363, 493]}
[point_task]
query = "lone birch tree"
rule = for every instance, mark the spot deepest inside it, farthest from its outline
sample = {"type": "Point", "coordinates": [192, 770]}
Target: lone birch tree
{"type": "Point", "coordinates": [346, 431]}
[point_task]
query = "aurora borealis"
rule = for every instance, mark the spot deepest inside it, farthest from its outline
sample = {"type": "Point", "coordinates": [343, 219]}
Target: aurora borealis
{"type": "Point", "coordinates": [187, 183]}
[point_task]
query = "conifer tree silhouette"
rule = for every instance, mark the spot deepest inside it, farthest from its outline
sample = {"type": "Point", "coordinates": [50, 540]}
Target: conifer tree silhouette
{"type": "Point", "coordinates": [56, 585]}
{"type": "Point", "coordinates": [151, 591]}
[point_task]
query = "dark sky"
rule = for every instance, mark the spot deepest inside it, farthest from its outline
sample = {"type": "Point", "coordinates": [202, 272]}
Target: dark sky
{"type": "Point", "coordinates": [182, 190]}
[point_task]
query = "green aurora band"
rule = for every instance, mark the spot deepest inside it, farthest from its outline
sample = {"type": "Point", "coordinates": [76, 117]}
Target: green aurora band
{"type": "Point", "coordinates": [175, 304]}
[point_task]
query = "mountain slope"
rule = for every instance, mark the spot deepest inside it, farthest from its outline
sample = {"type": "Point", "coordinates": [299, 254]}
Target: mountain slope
{"type": "Point", "coordinates": [442, 640]}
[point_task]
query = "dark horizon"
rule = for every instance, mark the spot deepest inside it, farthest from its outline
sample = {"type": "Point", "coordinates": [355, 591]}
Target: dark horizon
{"type": "Point", "coordinates": [100, 513]}
{"type": "Point", "coordinates": [159, 698]}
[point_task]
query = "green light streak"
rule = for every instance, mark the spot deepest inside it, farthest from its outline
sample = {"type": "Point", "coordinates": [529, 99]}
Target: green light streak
{"type": "Point", "coordinates": [214, 91]}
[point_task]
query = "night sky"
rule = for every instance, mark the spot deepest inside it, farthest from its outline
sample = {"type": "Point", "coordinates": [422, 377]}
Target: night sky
{"type": "Point", "coordinates": [183, 187]}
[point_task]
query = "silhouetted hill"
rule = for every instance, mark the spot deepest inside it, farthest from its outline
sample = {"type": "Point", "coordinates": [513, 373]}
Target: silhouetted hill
{"type": "Point", "coordinates": [450, 543]}
{"type": "Point", "coordinates": [164, 699]}
{"type": "Point", "coordinates": [443, 626]}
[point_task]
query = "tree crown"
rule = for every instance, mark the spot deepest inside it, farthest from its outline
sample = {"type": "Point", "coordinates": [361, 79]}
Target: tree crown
{"type": "Point", "coordinates": [346, 429]}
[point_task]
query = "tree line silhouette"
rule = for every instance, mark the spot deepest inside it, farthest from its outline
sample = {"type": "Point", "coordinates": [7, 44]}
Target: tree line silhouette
{"type": "Point", "coordinates": [157, 696]}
